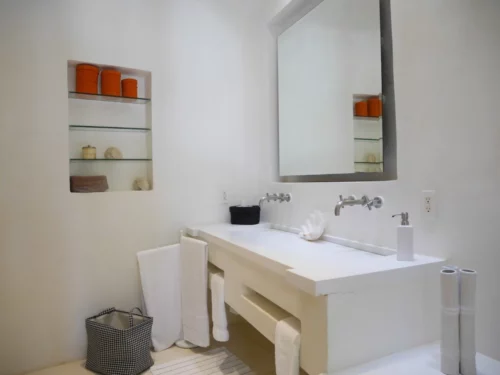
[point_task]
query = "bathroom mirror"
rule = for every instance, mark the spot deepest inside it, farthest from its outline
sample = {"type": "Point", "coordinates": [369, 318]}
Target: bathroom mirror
{"type": "Point", "coordinates": [336, 93]}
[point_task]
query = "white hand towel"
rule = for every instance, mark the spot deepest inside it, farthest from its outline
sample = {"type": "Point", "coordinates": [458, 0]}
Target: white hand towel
{"type": "Point", "coordinates": [160, 278]}
{"type": "Point", "coordinates": [219, 318]}
{"type": "Point", "coordinates": [450, 313]}
{"type": "Point", "coordinates": [287, 347]}
{"type": "Point", "coordinates": [467, 322]}
{"type": "Point", "coordinates": [195, 323]}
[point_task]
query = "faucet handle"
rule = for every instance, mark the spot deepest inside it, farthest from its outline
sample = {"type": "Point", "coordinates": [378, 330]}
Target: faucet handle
{"type": "Point", "coordinates": [365, 201]}
{"type": "Point", "coordinates": [282, 197]}
{"type": "Point", "coordinates": [378, 202]}
{"type": "Point", "coordinates": [341, 197]}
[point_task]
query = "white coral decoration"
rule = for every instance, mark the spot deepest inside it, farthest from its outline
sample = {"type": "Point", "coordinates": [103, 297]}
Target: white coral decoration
{"type": "Point", "coordinates": [113, 153]}
{"type": "Point", "coordinates": [141, 184]}
{"type": "Point", "coordinates": [315, 226]}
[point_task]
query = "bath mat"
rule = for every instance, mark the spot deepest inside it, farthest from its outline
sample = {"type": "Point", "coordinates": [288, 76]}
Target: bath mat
{"type": "Point", "coordinates": [218, 361]}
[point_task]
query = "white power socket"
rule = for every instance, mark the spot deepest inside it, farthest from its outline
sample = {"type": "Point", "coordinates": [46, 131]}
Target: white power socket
{"type": "Point", "coordinates": [429, 206]}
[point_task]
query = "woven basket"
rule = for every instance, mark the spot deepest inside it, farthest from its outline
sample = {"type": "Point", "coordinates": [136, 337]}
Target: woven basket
{"type": "Point", "coordinates": [119, 343]}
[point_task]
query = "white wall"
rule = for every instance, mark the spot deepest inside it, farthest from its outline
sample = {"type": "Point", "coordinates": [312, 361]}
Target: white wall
{"type": "Point", "coordinates": [64, 257]}
{"type": "Point", "coordinates": [277, 5]}
{"type": "Point", "coordinates": [446, 59]}
{"type": "Point", "coordinates": [330, 54]}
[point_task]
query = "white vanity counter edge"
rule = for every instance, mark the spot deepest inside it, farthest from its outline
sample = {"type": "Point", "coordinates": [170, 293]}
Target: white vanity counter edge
{"type": "Point", "coordinates": [424, 360]}
{"type": "Point", "coordinates": [318, 268]}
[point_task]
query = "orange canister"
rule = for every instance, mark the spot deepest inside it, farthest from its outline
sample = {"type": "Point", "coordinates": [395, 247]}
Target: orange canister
{"type": "Point", "coordinates": [374, 107]}
{"type": "Point", "coordinates": [110, 82]}
{"type": "Point", "coordinates": [361, 109]}
{"type": "Point", "coordinates": [129, 88]}
{"type": "Point", "coordinates": [86, 78]}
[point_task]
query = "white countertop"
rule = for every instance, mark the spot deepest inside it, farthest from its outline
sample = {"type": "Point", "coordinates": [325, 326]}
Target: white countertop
{"type": "Point", "coordinates": [424, 360]}
{"type": "Point", "coordinates": [318, 267]}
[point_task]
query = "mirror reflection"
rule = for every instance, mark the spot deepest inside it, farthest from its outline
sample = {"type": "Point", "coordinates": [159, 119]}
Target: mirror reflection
{"type": "Point", "coordinates": [330, 85]}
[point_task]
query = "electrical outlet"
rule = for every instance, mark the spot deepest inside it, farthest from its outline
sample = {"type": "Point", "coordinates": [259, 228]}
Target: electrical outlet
{"type": "Point", "coordinates": [225, 199]}
{"type": "Point", "coordinates": [429, 206]}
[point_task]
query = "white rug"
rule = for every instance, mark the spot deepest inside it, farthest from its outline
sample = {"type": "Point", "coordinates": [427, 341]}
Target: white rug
{"type": "Point", "coordinates": [218, 361]}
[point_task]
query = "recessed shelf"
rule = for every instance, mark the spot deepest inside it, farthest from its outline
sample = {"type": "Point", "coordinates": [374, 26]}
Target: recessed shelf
{"type": "Point", "coordinates": [104, 121]}
{"type": "Point", "coordinates": [361, 118]}
{"type": "Point", "coordinates": [107, 98]}
{"type": "Point", "coordinates": [110, 128]}
{"type": "Point", "coordinates": [89, 160]}
{"type": "Point", "coordinates": [368, 139]}
{"type": "Point", "coordinates": [368, 162]}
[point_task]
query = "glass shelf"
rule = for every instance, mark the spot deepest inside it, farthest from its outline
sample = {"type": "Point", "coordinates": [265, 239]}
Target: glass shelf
{"type": "Point", "coordinates": [87, 160]}
{"type": "Point", "coordinates": [368, 139]}
{"type": "Point", "coordinates": [368, 162]}
{"type": "Point", "coordinates": [372, 119]}
{"type": "Point", "coordinates": [107, 98]}
{"type": "Point", "coordinates": [97, 127]}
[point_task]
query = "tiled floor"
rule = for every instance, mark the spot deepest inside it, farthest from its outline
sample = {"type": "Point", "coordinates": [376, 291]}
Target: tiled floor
{"type": "Point", "coordinates": [245, 342]}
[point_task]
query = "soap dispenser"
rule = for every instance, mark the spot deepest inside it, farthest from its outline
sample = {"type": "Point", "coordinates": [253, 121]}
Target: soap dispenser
{"type": "Point", "coordinates": [405, 239]}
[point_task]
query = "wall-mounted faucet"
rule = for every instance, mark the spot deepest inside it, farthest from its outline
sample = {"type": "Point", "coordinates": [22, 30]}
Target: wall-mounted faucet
{"type": "Point", "coordinates": [351, 200]}
{"type": "Point", "coordinates": [281, 197]}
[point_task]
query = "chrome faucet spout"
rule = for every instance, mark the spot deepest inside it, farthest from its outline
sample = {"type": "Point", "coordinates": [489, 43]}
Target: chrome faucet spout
{"type": "Point", "coordinates": [377, 202]}
{"type": "Point", "coordinates": [339, 206]}
{"type": "Point", "coordinates": [262, 200]}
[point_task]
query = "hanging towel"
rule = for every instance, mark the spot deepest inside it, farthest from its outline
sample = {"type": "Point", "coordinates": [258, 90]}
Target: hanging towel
{"type": "Point", "coordinates": [160, 278]}
{"type": "Point", "coordinates": [468, 322]}
{"type": "Point", "coordinates": [450, 313]}
{"type": "Point", "coordinates": [219, 318]}
{"type": "Point", "coordinates": [195, 323]}
{"type": "Point", "coordinates": [287, 346]}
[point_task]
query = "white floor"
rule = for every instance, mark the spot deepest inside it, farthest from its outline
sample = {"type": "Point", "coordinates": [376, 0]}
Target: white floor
{"type": "Point", "coordinates": [424, 360]}
{"type": "Point", "coordinates": [245, 342]}
{"type": "Point", "coordinates": [258, 353]}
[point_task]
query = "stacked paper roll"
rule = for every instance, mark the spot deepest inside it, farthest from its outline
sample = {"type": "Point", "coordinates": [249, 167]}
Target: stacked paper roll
{"type": "Point", "coordinates": [468, 322]}
{"type": "Point", "coordinates": [450, 313]}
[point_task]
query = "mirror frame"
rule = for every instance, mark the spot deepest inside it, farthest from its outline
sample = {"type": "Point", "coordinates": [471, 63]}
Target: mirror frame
{"type": "Point", "coordinates": [292, 13]}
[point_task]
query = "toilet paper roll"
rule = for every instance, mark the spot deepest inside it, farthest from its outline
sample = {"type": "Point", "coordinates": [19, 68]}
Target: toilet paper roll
{"type": "Point", "coordinates": [450, 313]}
{"type": "Point", "coordinates": [468, 322]}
